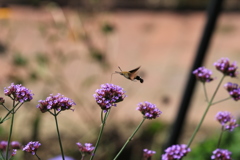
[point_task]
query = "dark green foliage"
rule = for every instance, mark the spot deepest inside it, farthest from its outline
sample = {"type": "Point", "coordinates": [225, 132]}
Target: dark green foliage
{"type": "Point", "coordinates": [204, 150]}
{"type": "Point", "coordinates": [19, 59]}
{"type": "Point", "coordinates": [108, 28]}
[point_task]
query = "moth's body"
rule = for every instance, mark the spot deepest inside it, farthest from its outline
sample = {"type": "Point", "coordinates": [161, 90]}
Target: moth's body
{"type": "Point", "coordinates": [131, 75]}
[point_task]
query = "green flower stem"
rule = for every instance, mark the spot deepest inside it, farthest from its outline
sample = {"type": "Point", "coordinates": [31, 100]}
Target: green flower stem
{"type": "Point", "coordinates": [205, 113]}
{"type": "Point", "coordinates": [59, 137]}
{"type": "Point", "coordinates": [5, 107]}
{"type": "Point", "coordinates": [221, 100]}
{"type": "Point", "coordinates": [18, 107]}
{"type": "Point", "coordinates": [100, 134]}
{"type": "Point", "coordinates": [11, 129]}
{"type": "Point", "coordinates": [220, 138]}
{"type": "Point", "coordinates": [205, 92]}
{"type": "Point", "coordinates": [7, 115]}
{"type": "Point", "coordinates": [130, 138]}
{"type": "Point", "coordinates": [37, 156]}
{"type": "Point", "coordinates": [82, 157]}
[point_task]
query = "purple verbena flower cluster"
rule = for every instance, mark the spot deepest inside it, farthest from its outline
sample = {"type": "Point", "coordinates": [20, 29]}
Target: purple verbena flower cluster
{"type": "Point", "coordinates": [108, 95]}
{"type": "Point", "coordinates": [176, 152]}
{"type": "Point", "coordinates": [223, 117]}
{"type": "Point", "coordinates": [233, 89]}
{"type": "Point", "coordinates": [231, 125]}
{"type": "Point", "coordinates": [224, 66]}
{"type": "Point", "coordinates": [2, 100]}
{"type": "Point", "coordinates": [148, 153]}
{"type": "Point", "coordinates": [18, 93]}
{"type": "Point", "coordinates": [86, 148]}
{"type": "Point", "coordinates": [203, 74]}
{"type": "Point", "coordinates": [221, 154]}
{"type": "Point", "coordinates": [58, 102]}
{"type": "Point", "coordinates": [32, 147]}
{"type": "Point", "coordinates": [149, 110]}
{"type": "Point", "coordinates": [14, 145]}
{"type": "Point", "coordinates": [227, 120]}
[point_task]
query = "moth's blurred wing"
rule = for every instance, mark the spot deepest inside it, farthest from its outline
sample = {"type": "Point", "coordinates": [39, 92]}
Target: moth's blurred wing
{"type": "Point", "coordinates": [133, 73]}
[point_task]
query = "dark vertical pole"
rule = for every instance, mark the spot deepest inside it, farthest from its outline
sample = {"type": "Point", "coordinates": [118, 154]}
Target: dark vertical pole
{"type": "Point", "coordinates": [212, 15]}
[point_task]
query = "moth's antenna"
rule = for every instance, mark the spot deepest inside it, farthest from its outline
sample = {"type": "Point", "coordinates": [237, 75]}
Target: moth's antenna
{"type": "Point", "coordinates": [120, 68]}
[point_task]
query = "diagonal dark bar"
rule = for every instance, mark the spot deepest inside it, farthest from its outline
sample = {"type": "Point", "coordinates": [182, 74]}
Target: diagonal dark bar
{"type": "Point", "coordinates": [212, 15]}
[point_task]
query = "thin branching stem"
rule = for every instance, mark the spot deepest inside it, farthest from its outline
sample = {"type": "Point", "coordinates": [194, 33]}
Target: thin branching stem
{"type": "Point", "coordinates": [220, 138]}
{"type": "Point", "coordinates": [58, 132]}
{"type": "Point", "coordinates": [130, 138]}
{"type": "Point", "coordinates": [221, 100]}
{"type": "Point", "coordinates": [11, 129]}
{"type": "Point", "coordinates": [205, 113]}
{"type": "Point", "coordinates": [205, 92]}
{"type": "Point", "coordinates": [37, 156]}
{"type": "Point", "coordinates": [100, 134]}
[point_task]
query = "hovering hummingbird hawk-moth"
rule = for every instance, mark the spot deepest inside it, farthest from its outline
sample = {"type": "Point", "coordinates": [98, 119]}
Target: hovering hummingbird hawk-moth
{"type": "Point", "coordinates": [131, 75]}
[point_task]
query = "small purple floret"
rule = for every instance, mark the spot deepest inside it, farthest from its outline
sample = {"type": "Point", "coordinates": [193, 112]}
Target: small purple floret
{"type": "Point", "coordinates": [176, 152]}
{"type": "Point", "coordinates": [58, 102]}
{"type": "Point", "coordinates": [108, 95]}
{"type": "Point", "coordinates": [224, 66]}
{"type": "Point", "coordinates": [223, 117]}
{"type": "Point", "coordinates": [226, 120]}
{"type": "Point", "coordinates": [233, 89]}
{"type": "Point", "coordinates": [18, 93]}
{"type": "Point", "coordinates": [221, 154]}
{"type": "Point", "coordinates": [32, 147]}
{"type": "Point", "coordinates": [148, 153]}
{"type": "Point", "coordinates": [231, 125]}
{"type": "Point", "coordinates": [149, 110]}
{"type": "Point", "coordinates": [86, 148]}
{"type": "Point", "coordinates": [203, 74]}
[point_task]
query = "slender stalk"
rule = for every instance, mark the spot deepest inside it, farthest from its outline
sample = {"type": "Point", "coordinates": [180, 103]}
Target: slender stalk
{"type": "Point", "coordinates": [221, 100]}
{"type": "Point", "coordinates": [37, 156]}
{"type": "Point", "coordinates": [5, 107]}
{"type": "Point", "coordinates": [205, 92]}
{"type": "Point", "coordinates": [82, 157]}
{"type": "Point", "coordinates": [7, 115]}
{"type": "Point", "coordinates": [205, 113]}
{"type": "Point", "coordinates": [59, 137]}
{"type": "Point", "coordinates": [220, 138]}
{"type": "Point", "coordinates": [102, 116]}
{"type": "Point", "coordinates": [100, 134]}
{"type": "Point", "coordinates": [18, 107]}
{"type": "Point", "coordinates": [11, 129]}
{"type": "Point", "coordinates": [130, 138]}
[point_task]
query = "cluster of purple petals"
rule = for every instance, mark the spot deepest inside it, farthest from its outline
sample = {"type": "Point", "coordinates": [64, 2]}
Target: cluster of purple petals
{"type": "Point", "coordinates": [231, 125]}
{"type": "Point", "coordinates": [148, 153]}
{"type": "Point", "coordinates": [86, 148]}
{"type": "Point", "coordinates": [108, 95]}
{"type": "Point", "coordinates": [176, 152]}
{"type": "Point", "coordinates": [226, 120]}
{"type": "Point", "coordinates": [13, 145]}
{"type": "Point", "coordinates": [221, 154]}
{"type": "Point", "coordinates": [58, 102]}
{"type": "Point", "coordinates": [149, 110]}
{"type": "Point", "coordinates": [224, 66]}
{"type": "Point", "coordinates": [203, 74]}
{"type": "Point", "coordinates": [2, 100]}
{"type": "Point", "coordinates": [233, 89]}
{"type": "Point", "coordinates": [32, 147]}
{"type": "Point", "coordinates": [18, 93]}
{"type": "Point", "coordinates": [223, 117]}
{"type": "Point", "coordinates": [59, 157]}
